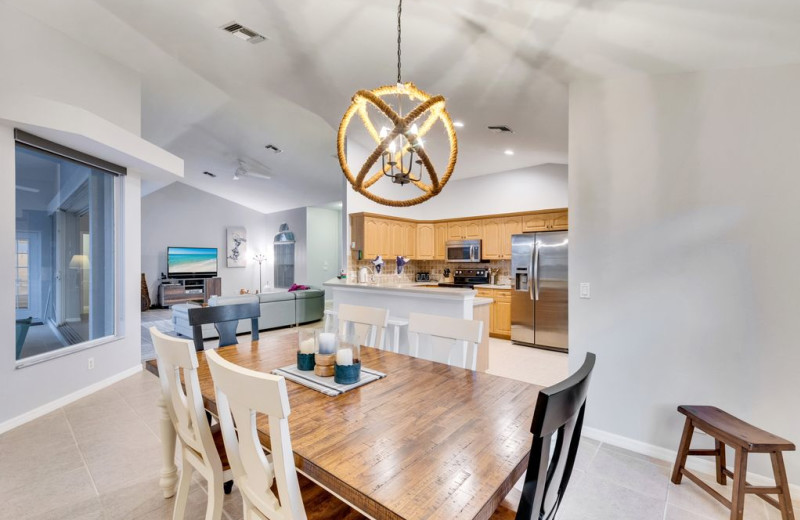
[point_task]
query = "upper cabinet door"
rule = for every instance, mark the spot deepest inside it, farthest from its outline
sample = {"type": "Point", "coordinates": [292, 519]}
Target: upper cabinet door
{"type": "Point", "coordinates": [560, 220]}
{"type": "Point", "coordinates": [536, 222]}
{"type": "Point", "coordinates": [473, 229]}
{"type": "Point", "coordinates": [440, 238]}
{"type": "Point", "coordinates": [455, 230]}
{"type": "Point", "coordinates": [384, 238]}
{"type": "Point", "coordinates": [509, 226]}
{"type": "Point", "coordinates": [371, 245]}
{"type": "Point", "coordinates": [426, 242]}
{"type": "Point", "coordinates": [491, 248]}
{"type": "Point", "coordinates": [410, 241]}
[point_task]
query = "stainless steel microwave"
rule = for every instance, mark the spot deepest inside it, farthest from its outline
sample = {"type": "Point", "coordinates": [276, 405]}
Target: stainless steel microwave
{"type": "Point", "coordinates": [463, 251]}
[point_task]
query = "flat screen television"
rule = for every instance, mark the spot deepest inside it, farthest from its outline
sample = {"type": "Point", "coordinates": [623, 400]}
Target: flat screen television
{"type": "Point", "coordinates": [191, 262]}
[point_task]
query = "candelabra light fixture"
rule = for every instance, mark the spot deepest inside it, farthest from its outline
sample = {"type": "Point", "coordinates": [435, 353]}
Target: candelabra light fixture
{"type": "Point", "coordinates": [400, 146]}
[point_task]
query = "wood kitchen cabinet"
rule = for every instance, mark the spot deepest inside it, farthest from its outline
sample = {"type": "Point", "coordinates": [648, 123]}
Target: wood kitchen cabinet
{"type": "Point", "coordinates": [491, 247]}
{"type": "Point", "coordinates": [464, 230]}
{"type": "Point", "coordinates": [545, 221]}
{"type": "Point", "coordinates": [375, 235]}
{"type": "Point", "coordinates": [440, 240]}
{"type": "Point", "coordinates": [499, 311]}
{"type": "Point", "coordinates": [509, 226]}
{"type": "Point", "coordinates": [426, 242]}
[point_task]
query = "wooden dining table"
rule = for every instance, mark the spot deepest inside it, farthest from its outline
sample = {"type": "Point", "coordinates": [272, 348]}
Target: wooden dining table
{"type": "Point", "coordinates": [428, 441]}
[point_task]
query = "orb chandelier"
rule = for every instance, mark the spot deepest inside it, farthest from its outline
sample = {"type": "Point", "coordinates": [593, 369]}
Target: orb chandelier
{"type": "Point", "coordinates": [400, 145]}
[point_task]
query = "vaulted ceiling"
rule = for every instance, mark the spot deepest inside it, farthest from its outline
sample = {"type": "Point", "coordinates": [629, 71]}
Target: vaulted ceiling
{"type": "Point", "coordinates": [213, 99]}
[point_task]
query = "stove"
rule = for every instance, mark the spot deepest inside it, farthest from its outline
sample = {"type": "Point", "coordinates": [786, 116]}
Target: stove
{"type": "Point", "coordinates": [468, 277]}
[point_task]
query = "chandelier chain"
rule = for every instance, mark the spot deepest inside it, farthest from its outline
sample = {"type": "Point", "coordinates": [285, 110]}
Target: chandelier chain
{"type": "Point", "coordinates": [399, 30]}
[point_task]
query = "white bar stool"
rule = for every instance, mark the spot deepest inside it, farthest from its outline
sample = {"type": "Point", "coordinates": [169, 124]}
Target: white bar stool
{"type": "Point", "coordinates": [396, 324]}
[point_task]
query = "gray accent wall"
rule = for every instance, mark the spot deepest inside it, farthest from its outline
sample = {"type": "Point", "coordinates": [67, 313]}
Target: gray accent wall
{"type": "Point", "coordinates": [179, 215]}
{"type": "Point", "coordinates": [683, 217]}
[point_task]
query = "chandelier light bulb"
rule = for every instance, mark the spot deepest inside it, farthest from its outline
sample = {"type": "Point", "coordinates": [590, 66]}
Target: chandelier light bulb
{"type": "Point", "coordinates": [414, 129]}
{"type": "Point", "coordinates": [384, 132]}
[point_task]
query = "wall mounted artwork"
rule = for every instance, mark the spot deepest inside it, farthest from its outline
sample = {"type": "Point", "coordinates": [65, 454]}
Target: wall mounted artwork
{"type": "Point", "coordinates": [237, 247]}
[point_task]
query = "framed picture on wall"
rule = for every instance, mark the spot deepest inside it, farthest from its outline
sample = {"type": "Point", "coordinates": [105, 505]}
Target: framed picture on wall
{"type": "Point", "coordinates": [237, 247]}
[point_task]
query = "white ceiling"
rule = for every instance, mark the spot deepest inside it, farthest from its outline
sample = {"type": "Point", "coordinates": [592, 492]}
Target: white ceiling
{"type": "Point", "coordinates": [211, 98]}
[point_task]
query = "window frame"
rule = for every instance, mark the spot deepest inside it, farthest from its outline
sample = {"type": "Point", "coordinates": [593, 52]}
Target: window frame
{"type": "Point", "coordinates": [117, 173]}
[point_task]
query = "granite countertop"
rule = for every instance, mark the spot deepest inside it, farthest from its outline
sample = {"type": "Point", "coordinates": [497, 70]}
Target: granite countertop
{"type": "Point", "coordinates": [481, 301]}
{"type": "Point", "coordinates": [492, 286]}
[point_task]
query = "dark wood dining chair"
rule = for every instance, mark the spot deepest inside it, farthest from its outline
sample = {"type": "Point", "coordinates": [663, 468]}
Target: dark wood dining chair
{"type": "Point", "coordinates": [225, 319]}
{"type": "Point", "coordinates": [559, 410]}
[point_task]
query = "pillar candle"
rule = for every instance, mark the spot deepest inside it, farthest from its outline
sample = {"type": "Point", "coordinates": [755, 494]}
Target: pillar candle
{"type": "Point", "coordinates": [307, 346]}
{"type": "Point", "coordinates": [327, 342]}
{"type": "Point", "coordinates": [344, 357]}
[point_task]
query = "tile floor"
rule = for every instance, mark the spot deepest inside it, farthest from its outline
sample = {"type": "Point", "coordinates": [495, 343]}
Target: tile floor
{"type": "Point", "coordinates": [99, 458]}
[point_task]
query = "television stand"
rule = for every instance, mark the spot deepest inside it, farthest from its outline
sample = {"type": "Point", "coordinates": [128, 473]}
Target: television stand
{"type": "Point", "coordinates": [184, 290]}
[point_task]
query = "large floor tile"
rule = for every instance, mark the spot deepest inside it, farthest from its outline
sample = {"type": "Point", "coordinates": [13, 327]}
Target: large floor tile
{"type": "Point", "coordinates": [676, 513]}
{"type": "Point", "coordinates": [594, 498]}
{"type": "Point", "coordinates": [631, 472]}
{"type": "Point", "coordinates": [690, 497]}
{"type": "Point", "coordinates": [58, 490]}
{"type": "Point", "coordinates": [91, 509]}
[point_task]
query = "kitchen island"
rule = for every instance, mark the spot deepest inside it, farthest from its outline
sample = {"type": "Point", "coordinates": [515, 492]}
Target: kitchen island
{"type": "Point", "coordinates": [404, 298]}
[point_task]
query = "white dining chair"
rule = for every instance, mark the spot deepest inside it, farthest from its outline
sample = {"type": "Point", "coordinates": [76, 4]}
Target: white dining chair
{"type": "Point", "coordinates": [199, 449]}
{"type": "Point", "coordinates": [463, 335]}
{"type": "Point", "coordinates": [241, 394]}
{"type": "Point", "coordinates": [368, 323]}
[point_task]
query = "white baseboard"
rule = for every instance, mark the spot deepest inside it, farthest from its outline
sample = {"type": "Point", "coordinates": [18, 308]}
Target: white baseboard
{"type": "Point", "coordinates": [67, 399]}
{"type": "Point", "coordinates": [696, 464]}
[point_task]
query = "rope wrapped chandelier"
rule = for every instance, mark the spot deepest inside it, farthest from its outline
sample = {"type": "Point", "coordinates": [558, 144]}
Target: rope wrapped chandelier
{"type": "Point", "coordinates": [400, 147]}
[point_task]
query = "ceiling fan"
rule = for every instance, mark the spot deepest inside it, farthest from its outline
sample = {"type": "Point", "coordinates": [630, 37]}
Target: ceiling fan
{"type": "Point", "coordinates": [244, 170]}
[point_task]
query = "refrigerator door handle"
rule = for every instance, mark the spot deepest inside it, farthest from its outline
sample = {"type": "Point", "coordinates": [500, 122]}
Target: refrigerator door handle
{"type": "Point", "coordinates": [530, 271]}
{"type": "Point", "coordinates": [536, 272]}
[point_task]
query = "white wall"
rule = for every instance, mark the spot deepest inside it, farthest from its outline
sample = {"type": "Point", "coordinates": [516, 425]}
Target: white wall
{"type": "Point", "coordinates": [323, 245]}
{"type": "Point", "coordinates": [683, 216]}
{"type": "Point", "coordinates": [526, 189]}
{"type": "Point", "coordinates": [40, 61]}
{"type": "Point", "coordinates": [179, 215]}
{"type": "Point", "coordinates": [37, 60]}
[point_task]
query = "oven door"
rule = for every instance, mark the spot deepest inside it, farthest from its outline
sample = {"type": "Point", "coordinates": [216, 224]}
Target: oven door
{"type": "Point", "coordinates": [463, 251]}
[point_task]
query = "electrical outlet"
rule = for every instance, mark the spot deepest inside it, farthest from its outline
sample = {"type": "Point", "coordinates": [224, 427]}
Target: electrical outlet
{"type": "Point", "coordinates": [586, 290]}
{"type": "Point", "coordinates": [91, 363]}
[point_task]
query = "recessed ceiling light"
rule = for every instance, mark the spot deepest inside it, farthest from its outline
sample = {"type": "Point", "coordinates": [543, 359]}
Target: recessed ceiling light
{"type": "Point", "coordinates": [458, 124]}
{"type": "Point", "coordinates": [509, 152]}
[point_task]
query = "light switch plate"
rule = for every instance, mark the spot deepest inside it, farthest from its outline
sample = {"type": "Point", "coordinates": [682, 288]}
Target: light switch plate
{"type": "Point", "coordinates": [586, 290]}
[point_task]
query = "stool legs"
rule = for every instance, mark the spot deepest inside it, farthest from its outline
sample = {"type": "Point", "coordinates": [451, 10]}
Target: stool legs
{"type": "Point", "coordinates": [784, 499]}
{"type": "Point", "coordinates": [683, 451]}
{"type": "Point", "coordinates": [720, 447]}
{"type": "Point", "coordinates": [739, 484]}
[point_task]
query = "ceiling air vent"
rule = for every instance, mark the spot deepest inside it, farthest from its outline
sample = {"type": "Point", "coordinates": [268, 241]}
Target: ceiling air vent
{"type": "Point", "coordinates": [501, 129]}
{"type": "Point", "coordinates": [243, 33]}
{"type": "Point", "coordinates": [273, 148]}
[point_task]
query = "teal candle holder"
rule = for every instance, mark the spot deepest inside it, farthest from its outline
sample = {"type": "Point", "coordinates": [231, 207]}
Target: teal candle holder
{"type": "Point", "coordinates": [305, 361]}
{"type": "Point", "coordinates": [347, 374]}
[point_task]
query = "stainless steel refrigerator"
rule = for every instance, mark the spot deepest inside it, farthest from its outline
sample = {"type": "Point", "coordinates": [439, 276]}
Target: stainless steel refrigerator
{"type": "Point", "coordinates": [539, 289]}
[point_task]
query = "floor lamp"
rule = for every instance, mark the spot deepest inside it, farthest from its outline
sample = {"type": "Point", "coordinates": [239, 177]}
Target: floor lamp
{"type": "Point", "coordinates": [260, 258]}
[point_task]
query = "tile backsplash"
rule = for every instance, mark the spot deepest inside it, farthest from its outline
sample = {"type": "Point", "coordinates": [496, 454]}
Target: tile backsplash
{"type": "Point", "coordinates": [434, 267]}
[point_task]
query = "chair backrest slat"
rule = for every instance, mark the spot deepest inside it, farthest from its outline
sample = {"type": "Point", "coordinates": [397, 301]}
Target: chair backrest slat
{"type": "Point", "coordinates": [464, 334]}
{"type": "Point", "coordinates": [241, 393]}
{"type": "Point", "coordinates": [372, 319]}
{"type": "Point", "coordinates": [559, 413]}
{"type": "Point", "coordinates": [225, 319]}
{"type": "Point", "coordinates": [177, 368]}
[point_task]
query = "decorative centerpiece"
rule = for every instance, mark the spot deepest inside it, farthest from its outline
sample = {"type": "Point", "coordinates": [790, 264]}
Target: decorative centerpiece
{"type": "Point", "coordinates": [325, 357]}
{"type": "Point", "coordinates": [348, 362]}
{"type": "Point", "coordinates": [306, 349]}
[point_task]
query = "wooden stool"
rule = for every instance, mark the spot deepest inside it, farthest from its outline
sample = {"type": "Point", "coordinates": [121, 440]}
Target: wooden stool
{"type": "Point", "coordinates": [743, 438]}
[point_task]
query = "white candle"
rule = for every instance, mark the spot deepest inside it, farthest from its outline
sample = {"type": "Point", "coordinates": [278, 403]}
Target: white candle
{"type": "Point", "coordinates": [307, 346]}
{"type": "Point", "coordinates": [344, 356]}
{"type": "Point", "coordinates": [327, 342]}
